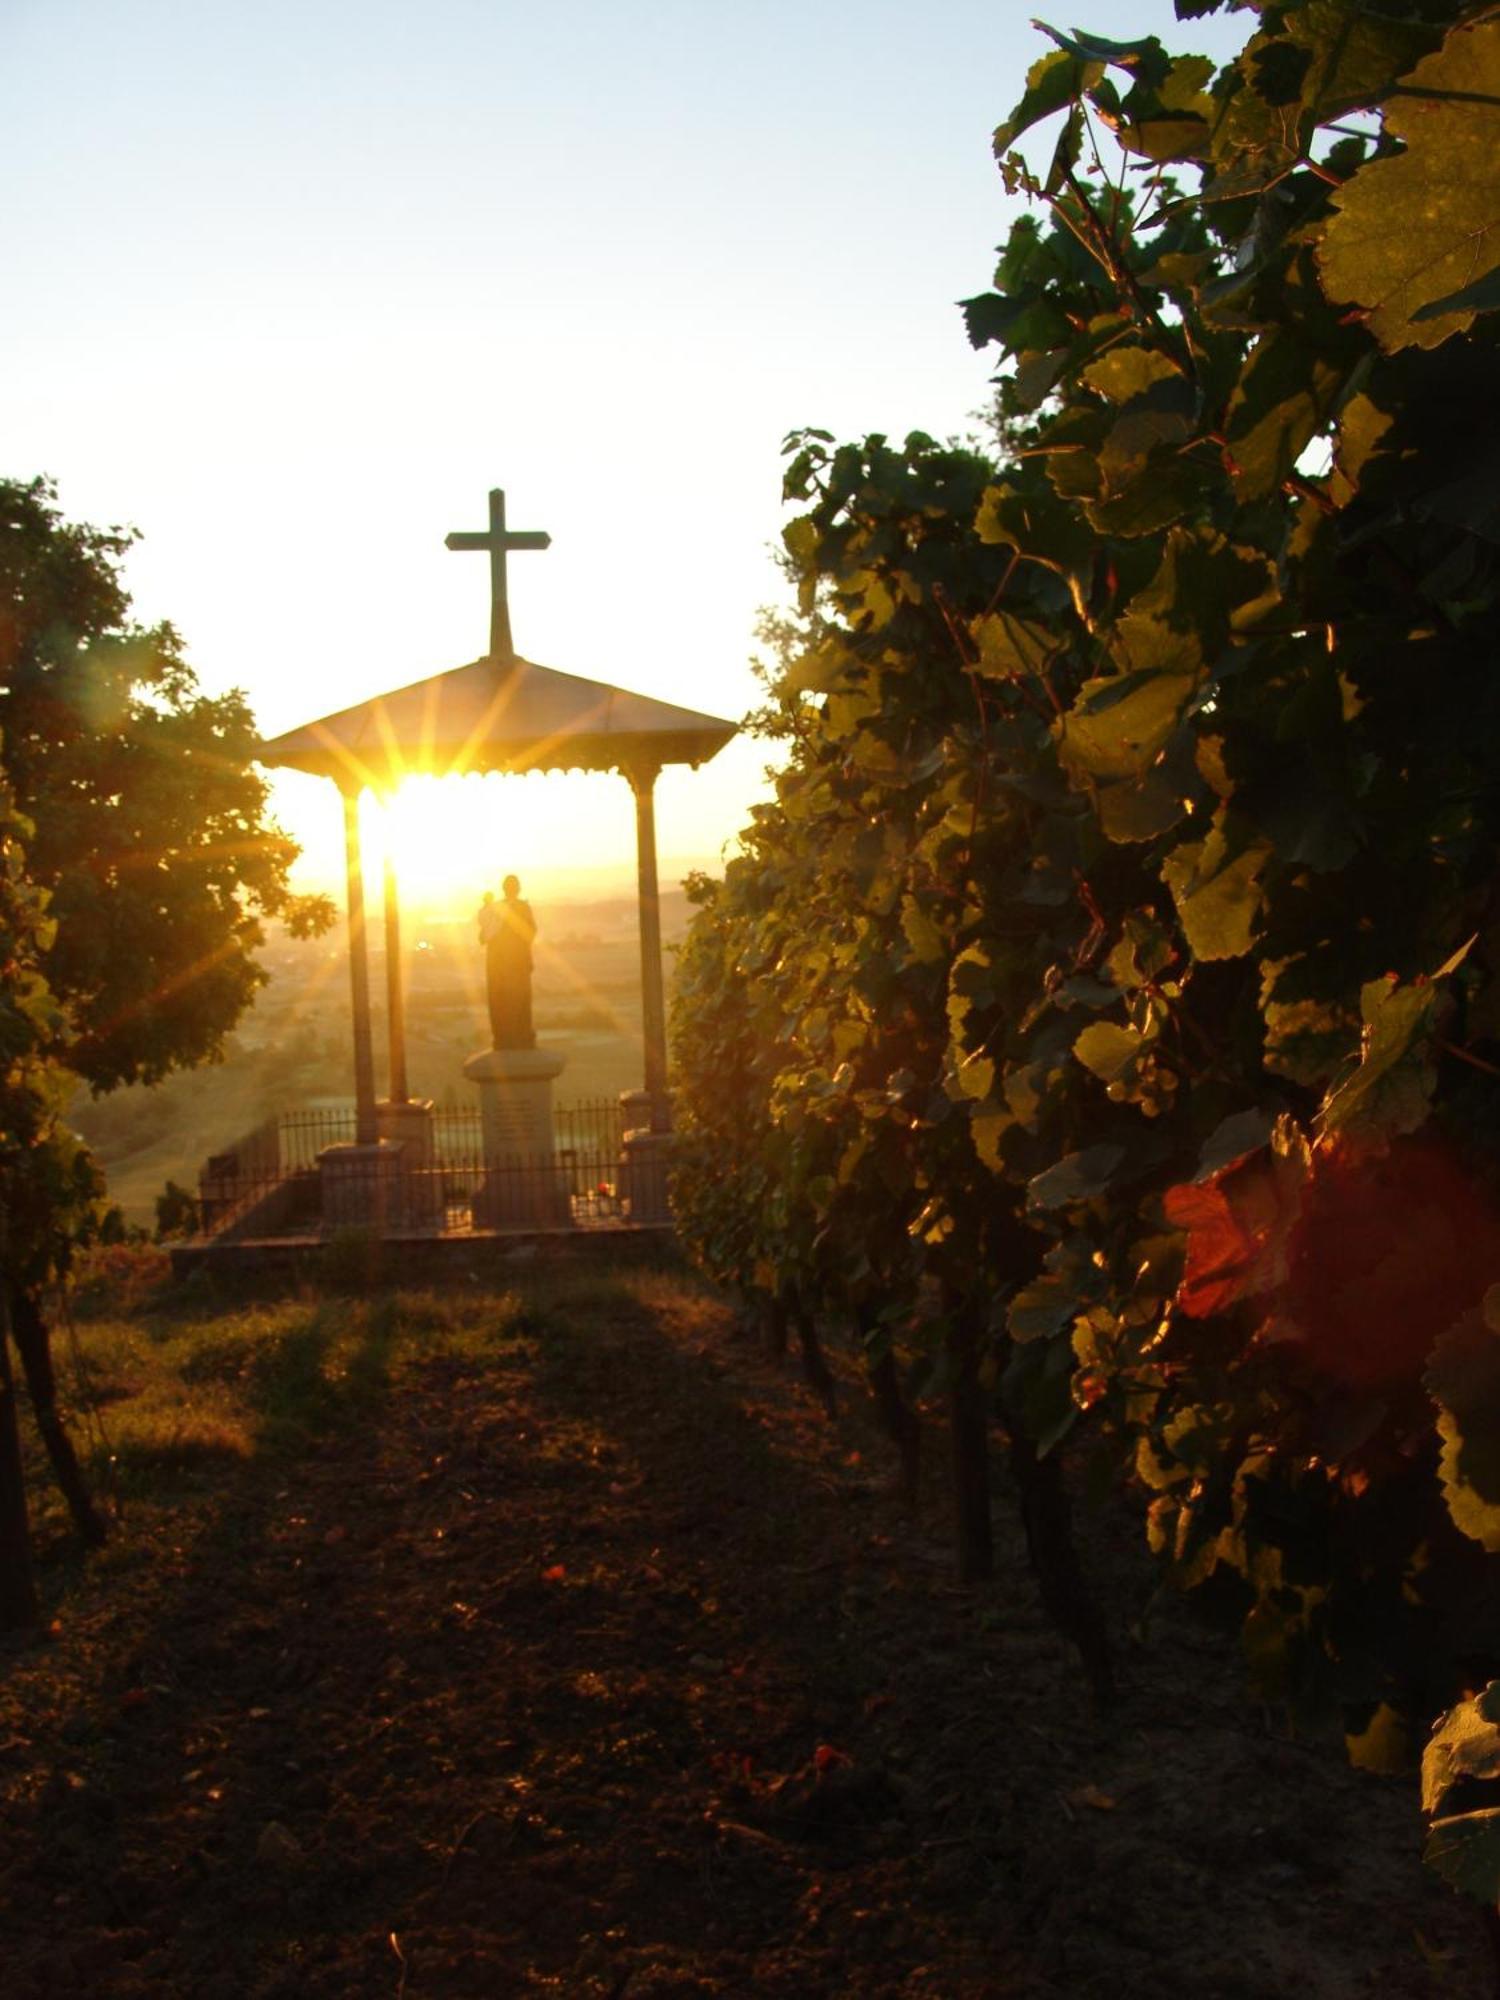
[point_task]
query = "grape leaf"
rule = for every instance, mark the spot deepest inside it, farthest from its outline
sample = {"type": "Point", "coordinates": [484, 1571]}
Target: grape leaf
{"type": "Point", "coordinates": [1465, 1743]}
{"type": "Point", "coordinates": [1011, 646]}
{"type": "Point", "coordinates": [1413, 232]}
{"type": "Point", "coordinates": [922, 934]}
{"type": "Point", "coordinates": [1384, 1744]}
{"type": "Point", "coordinates": [1391, 1091]}
{"type": "Point", "coordinates": [1238, 1222]}
{"type": "Point", "coordinates": [1463, 1379]}
{"type": "Point", "coordinates": [1281, 401]}
{"type": "Point", "coordinates": [1053, 81]}
{"type": "Point", "coordinates": [1123, 373]}
{"type": "Point", "coordinates": [1465, 1851]}
{"type": "Point", "coordinates": [1119, 723]}
{"type": "Point", "coordinates": [1041, 1309]}
{"type": "Point", "coordinates": [1141, 808]}
{"type": "Point", "coordinates": [1232, 1138]}
{"type": "Point", "coordinates": [1145, 56]}
{"type": "Point", "coordinates": [1217, 893]}
{"type": "Point", "coordinates": [1075, 1177]}
{"type": "Point", "coordinates": [1108, 1050]}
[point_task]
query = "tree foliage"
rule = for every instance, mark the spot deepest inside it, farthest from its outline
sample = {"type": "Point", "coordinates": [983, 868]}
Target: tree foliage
{"type": "Point", "coordinates": [150, 825]}
{"type": "Point", "coordinates": [137, 867]}
{"type": "Point", "coordinates": [49, 1186]}
{"type": "Point", "coordinates": [1123, 942]}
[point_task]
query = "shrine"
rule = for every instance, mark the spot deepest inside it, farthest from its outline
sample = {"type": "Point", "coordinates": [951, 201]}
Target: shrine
{"type": "Point", "coordinates": [392, 1172]}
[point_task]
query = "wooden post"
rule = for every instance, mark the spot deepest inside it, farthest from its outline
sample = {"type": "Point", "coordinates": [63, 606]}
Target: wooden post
{"type": "Point", "coordinates": [653, 996]}
{"type": "Point", "coordinates": [359, 980]}
{"type": "Point", "coordinates": [395, 999]}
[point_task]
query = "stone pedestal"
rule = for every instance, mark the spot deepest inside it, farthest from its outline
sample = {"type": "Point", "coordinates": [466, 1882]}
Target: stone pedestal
{"type": "Point", "coordinates": [645, 1153]}
{"type": "Point", "coordinates": [361, 1186]}
{"type": "Point", "coordinates": [409, 1124]}
{"type": "Point", "coordinates": [524, 1187]}
{"type": "Point", "coordinates": [644, 1159]}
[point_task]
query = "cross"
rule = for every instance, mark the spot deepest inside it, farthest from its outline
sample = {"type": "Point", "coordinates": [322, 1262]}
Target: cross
{"type": "Point", "coordinates": [497, 541]}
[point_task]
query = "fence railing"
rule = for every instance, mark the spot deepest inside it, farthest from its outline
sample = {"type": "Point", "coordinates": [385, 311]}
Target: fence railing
{"type": "Point", "coordinates": [302, 1174]}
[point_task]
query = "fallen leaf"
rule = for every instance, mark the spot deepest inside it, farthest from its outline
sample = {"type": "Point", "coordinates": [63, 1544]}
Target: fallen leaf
{"type": "Point", "coordinates": [1091, 1795]}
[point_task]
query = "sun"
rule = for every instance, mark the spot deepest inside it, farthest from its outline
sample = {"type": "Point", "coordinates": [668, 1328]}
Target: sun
{"type": "Point", "coordinates": [564, 833]}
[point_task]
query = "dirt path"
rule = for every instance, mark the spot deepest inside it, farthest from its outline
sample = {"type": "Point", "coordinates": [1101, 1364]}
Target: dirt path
{"type": "Point", "coordinates": [601, 1665]}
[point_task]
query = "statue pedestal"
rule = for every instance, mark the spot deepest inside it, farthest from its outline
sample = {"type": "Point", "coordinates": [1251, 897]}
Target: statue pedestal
{"type": "Point", "coordinates": [409, 1124]}
{"type": "Point", "coordinates": [524, 1186]}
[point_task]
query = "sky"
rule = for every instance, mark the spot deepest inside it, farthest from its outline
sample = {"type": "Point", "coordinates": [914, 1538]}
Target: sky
{"type": "Point", "coordinates": [291, 286]}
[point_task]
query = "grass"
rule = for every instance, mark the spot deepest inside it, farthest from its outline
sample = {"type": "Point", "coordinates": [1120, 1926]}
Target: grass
{"type": "Point", "coordinates": [171, 1387]}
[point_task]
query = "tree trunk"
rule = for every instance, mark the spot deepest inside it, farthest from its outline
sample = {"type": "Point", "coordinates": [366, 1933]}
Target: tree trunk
{"type": "Point", "coordinates": [777, 1324]}
{"type": "Point", "coordinates": [35, 1344]}
{"type": "Point", "coordinates": [968, 1423]}
{"type": "Point", "coordinates": [897, 1417]}
{"type": "Point", "coordinates": [814, 1362]}
{"type": "Point", "coordinates": [18, 1598]}
{"type": "Point", "coordinates": [1492, 1933]}
{"type": "Point", "coordinates": [1047, 1515]}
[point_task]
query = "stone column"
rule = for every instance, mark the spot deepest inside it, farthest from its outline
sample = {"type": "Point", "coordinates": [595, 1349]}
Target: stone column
{"type": "Point", "coordinates": [360, 1184]}
{"type": "Point", "coordinates": [395, 997]}
{"type": "Point", "coordinates": [402, 1118]}
{"type": "Point", "coordinates": [359, 977]}
{"type": "Point", "coordinates": [647, 1143]}
{"type": "Point", "coordinates": [653, 993]}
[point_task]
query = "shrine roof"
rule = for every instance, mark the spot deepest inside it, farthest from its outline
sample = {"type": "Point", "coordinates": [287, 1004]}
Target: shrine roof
{"type": "Point", "coordinates": [497, 714]}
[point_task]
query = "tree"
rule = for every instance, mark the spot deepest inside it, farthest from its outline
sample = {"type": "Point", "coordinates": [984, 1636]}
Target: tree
{"type": "Point", "coordinates": [49, 1191]}
{"type": "Point", "coordinates": [151, 830]}
{"type": "Point", "coordinates": [128, 925]}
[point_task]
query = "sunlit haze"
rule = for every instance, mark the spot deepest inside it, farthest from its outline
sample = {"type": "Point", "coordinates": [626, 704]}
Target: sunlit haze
{"type": "Point", "coordinates": [293, 286]}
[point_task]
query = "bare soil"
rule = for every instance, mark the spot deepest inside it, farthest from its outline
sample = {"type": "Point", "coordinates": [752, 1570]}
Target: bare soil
{"type": "Point", "coordinates": [597, 1662]}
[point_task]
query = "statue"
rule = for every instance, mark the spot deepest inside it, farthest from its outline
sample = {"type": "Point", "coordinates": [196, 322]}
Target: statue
{"type": "Point", "coordinates": [506, 929]}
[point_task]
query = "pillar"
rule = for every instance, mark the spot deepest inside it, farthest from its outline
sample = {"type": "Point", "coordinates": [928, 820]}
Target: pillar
{"type": "Point", "coordinates": [359, 979]}
{"type": "Point", "coordinates": [395, 998]}
{"type": "Point", "coordinates": [653, 993]}
{"type": "Point", "coordinates": [402, 1119]}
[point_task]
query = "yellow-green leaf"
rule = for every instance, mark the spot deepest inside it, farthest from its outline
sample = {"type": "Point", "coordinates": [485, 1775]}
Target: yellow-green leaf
{"type": "Point", "coordinates": [1463, 1379]}
{"type": "Point", "coordinates": [1217, 893]}
{"type": "Point", "coordinates": [1126, 372]}
{"type": "Point", "coordinates": [1413, 230]}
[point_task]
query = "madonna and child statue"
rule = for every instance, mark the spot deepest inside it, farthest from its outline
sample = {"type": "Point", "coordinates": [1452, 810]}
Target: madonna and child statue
{"type": "Point", "coordinates": [522, 1184]}
{"type": "Point", "coordinates": [506, 930]}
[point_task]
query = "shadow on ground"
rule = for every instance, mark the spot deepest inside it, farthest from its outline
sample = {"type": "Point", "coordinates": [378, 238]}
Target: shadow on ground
{"type": "Point", "coordinates": [583, 1656]}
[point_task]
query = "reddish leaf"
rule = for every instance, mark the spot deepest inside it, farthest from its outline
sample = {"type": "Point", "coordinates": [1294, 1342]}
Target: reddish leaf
{"type": "Point", "coordinates": [1237, 1223]}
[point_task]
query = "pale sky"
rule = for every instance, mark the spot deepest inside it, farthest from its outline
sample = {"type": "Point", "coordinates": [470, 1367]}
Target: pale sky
{"type": "Point", "coordinates": [290, 286]}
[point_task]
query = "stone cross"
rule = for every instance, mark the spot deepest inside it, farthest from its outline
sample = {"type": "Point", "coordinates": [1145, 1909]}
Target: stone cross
{"type": "Point", "coordinates": [498, 541]}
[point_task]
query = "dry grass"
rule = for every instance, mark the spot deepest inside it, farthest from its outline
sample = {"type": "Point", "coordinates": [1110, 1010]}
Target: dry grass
{"type": "Point", "coordinates": [169, 1387]}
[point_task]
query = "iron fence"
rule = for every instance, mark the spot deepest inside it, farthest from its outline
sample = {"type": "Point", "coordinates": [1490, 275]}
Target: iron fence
{"type": "Point", "coordinates": [432, 1170]}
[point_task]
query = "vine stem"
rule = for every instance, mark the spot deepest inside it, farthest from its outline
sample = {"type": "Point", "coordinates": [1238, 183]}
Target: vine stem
{"type": "Point", "coordinates": [1468, 1056]}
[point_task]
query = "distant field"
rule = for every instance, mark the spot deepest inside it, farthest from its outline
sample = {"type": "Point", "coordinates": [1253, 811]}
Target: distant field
{"type": "Point", "coordinates": [294, 1048]}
